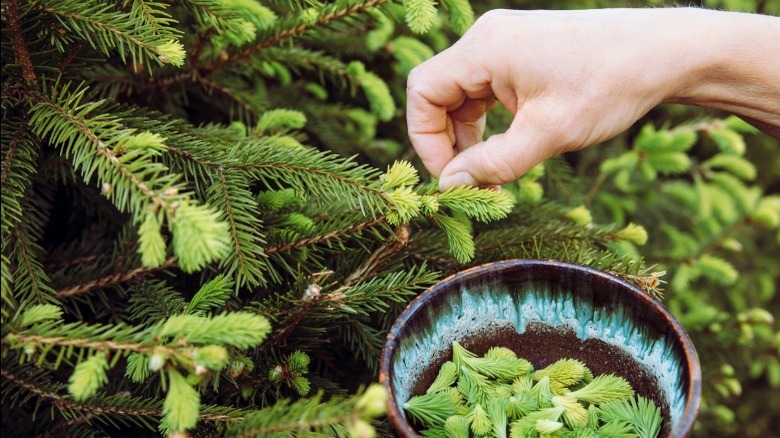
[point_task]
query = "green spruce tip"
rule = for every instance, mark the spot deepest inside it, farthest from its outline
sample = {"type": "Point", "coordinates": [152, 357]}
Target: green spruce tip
{"type": "Point", "coordinates": [420, 14]}
{"type": "Point", "coordinates": [480, 422]}
{"type": "Point", "coordinates": [88, 376]}
{"type": "Point", "coordinates": [446, 377]}
{"type": "Point", "coordinates": [521, 404]}
{"type": "Point", "coordinates": [430, 410]}
{"type": "Point", "coordinates": [497, 415]}
{"type": "Point", "coordinates": [501, 363]}
{"type": "Point", "coordinates": [457, 426]}
{"type": "Point", "coordinates": [181, 408]}
{"type": "Point", "coordinates": [604, 388]}
{"type": "Point", "coordinates": [40, 313]}
{"type": "Point", "coordinates": [565, 372]}
{"type": "Point", "coordinates": [574, 413]}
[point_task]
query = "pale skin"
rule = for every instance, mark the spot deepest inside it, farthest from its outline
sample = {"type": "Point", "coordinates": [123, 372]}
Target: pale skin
{"type": "Point", "coordinates": [576, 78]}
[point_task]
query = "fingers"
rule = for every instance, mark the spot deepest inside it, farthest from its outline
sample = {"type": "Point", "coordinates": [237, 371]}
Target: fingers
{"type": "Point", "coordinates": [445, 81]}
{"type": "Point", "coordinates": [501, 158]}
{"type": "Point", "coordinates": [469, 122]}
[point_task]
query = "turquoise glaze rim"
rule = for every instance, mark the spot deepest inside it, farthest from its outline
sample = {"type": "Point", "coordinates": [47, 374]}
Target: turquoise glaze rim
{"type": "Point", "coordinates": [592, 303]}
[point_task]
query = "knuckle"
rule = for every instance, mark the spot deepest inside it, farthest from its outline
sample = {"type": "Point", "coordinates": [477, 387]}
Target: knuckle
{"type": "Point", "coordinates": [417, 79]}
{"type": "Point", "coordinates": [490, 15]}
{"type": "Point", "coordinates": [485, 26]}
{"type": "Point", "coordinates": [497, 167]}
{"type": "Point", "coordinates": [413, 80]}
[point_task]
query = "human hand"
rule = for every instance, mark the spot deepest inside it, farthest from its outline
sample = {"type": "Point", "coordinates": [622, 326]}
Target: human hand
{"type": "Point", "coordinates": [573, 79]}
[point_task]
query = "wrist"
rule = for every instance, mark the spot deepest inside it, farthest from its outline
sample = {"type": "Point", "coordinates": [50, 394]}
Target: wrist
{"type": "Point", "coordinates": [730, 61]}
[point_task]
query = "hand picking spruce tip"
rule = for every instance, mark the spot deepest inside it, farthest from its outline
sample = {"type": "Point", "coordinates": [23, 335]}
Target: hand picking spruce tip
{"type": "Point", "coordinates": [476, 396]}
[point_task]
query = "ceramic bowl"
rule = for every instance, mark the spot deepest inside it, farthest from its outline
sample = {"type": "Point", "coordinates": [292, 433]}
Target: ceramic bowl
{"type": "Point", "coordinates": [545, 311]}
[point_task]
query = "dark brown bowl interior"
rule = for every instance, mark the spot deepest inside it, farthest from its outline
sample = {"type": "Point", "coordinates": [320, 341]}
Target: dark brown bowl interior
{"type": "Point", "coordinates": [540, 343]}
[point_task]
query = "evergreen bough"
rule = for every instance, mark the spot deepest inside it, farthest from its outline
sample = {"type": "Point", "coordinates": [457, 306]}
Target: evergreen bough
{"type": "Point", "coordinates": [209, 218]}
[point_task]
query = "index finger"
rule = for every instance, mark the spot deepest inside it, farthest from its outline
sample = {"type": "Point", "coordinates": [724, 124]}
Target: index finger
{"type": "Point", "coordinates": [437, 86]}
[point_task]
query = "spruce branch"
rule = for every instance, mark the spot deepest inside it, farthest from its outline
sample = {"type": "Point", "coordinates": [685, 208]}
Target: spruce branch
{"type": "Point", "coordinates": [246, 258]}
{"type": "Point", "coordinates": [332, 235]}
{"type": "Point", "coordinates": [20, 45]}
{"type": "Point", "coordinates": [324, 175]}
{"type": "Point", "coordinates": [292, 27]}
{"type": "Point", "coordinates": [157, 19]}
{"type": "Point", "coordinates": [313, 295]}
{"type": "Point", "coordinates": [374, 261]}
{"type": "Point", "coordinates": [338, 416]}
{"type": "Point", "coordinates": [128, 343]}
{"type": "Point", "coordinates": [30, 275]}
{"type": "Point", "coordinates": [215, 14]}
{"type": "Point", "coordinates": [135, 409]}
{"type": "Point", "coordinates": [54, 265]}
{"type": "Point", "coordinates": [112, 280]}
{"type": "Point", "coordinates": [285, 28]}
{"type": "Point", "coordinates": [299, 60]}
{"type": "Point", "coordinates": [19, 166]}
{"type": "Point", "coordinates": [105, 29]}
{"type": "Point", "coordinates": [58, 106]}
{"type": "Point", "coordinates": [211, 85]}
{"type": "Point", "coordinates": [9, 152]}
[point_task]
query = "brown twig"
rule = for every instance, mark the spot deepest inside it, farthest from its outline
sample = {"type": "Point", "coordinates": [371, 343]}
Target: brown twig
{"type": "Point", "coordinates": [71, 56]}
{"type": "Point", "coordinates": [325, 237]}
{"type": "Point", "coordinates": [110, 280]}
{"type": "Point", "coordinates": [199, 46]}
{"type": "Point", "coordinates": [224, 90]}
{"type": "Point", "coordinates": [22, 56]}
{"type": "Point", "coordinates": [313, 296]}
{"type": "Point", "coordinates": [60, 264]}
{"type": "Point", "coordinates": [12, 148]}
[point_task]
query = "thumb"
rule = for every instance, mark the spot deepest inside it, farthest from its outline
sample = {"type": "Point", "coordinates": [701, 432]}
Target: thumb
{"type": "Point", "coordinates": [499, 159]}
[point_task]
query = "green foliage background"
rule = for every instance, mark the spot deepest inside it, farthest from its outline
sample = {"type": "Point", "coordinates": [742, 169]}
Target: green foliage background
{"type": "Point", "coordinates": [187, 247]}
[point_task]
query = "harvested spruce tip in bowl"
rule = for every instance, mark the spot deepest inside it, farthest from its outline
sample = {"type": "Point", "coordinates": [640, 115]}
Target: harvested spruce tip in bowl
{"type": "Point", "coordinates": [500, 395]}
{"type": "Point", "coordinates": [539, 348]}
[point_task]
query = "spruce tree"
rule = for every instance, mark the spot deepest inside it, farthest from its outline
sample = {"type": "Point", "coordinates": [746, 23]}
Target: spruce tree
{"type": "Point", "coordinates": [211, 214]}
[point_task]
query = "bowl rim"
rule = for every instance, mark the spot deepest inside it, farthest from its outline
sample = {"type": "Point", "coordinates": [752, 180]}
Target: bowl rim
{"type": "Point", "coordinates": [404, 429]}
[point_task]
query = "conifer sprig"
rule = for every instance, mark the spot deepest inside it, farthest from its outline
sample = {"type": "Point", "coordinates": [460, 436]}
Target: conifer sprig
{"type": "Point", "coordinates": [103, 408]}
{"type": "Point", "coordinates": [336, 416]}
{"type": "Point", "coordinates": [295, 25]}
{"type": "Point", "coordinates": [323, 175]}
{"type": "Point", "coordinates": [246, 259]}
{"type": "Point", "coordinates": [123, 161]}
{"type": "Point", "coordinates": [31, 282]}
{"type": "Point", "coordinates": [106, 29]}
{"type": "Point", "coordinates": [19, 165]}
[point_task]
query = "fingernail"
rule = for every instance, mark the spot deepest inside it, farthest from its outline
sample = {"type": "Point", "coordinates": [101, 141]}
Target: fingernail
{"type": "Point", "coordinates": [455, 180]}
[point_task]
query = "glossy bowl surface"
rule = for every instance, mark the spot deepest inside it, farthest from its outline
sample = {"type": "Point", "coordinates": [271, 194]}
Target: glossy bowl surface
{"type": "Point", "coordinates": [544, 311]}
